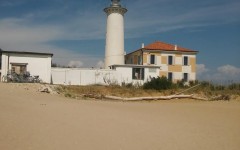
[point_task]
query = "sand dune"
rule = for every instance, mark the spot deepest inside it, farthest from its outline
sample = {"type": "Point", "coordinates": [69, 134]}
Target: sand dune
{"type": "Point", "coordinates": [35, 121]}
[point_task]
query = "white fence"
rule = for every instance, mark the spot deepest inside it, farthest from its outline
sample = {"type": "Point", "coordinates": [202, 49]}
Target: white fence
{"type": "Point", "coordinates": [72, 76]}
{"type": "Point", "coordinates": [121, 74]}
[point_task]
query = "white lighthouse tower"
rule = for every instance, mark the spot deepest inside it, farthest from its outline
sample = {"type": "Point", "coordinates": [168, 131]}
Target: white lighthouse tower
{"type": "Point", "coordinates": [114, 50]}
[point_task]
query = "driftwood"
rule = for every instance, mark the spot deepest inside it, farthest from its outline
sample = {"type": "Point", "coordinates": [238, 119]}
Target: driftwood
{"type": "Point", "coordinates": [153, 98]}
{"type": "Point", "coordinates": [99, 96]}
{"type": "Point", "coordinates": [176, 96]}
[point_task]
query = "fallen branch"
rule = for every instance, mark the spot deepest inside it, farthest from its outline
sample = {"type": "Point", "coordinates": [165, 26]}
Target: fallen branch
{"type": "Point", "coordinates": [153, 98]}
{"type": "Point", "coordinates": [200, 98]}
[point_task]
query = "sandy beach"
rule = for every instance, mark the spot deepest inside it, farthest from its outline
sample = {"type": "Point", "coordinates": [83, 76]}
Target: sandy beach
{"type": "Point", "coordinates": [31, 120]}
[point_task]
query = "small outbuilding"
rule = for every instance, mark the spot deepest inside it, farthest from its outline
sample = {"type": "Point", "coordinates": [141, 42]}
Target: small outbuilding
{"type": "Point", "coordinates": [37, 64]}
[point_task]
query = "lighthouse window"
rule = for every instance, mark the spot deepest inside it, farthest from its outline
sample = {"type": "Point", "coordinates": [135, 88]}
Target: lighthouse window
{"type": "Point", "coordinates": [138, 73]}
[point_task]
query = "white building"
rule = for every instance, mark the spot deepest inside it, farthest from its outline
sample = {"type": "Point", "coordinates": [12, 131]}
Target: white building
{"type": "Point", "coordinates": [38, 64]}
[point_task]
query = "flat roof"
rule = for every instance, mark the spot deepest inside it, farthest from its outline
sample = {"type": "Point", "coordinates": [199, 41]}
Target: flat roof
{"type": "Point", "coordinates": [137, 66]}
{"type": "Point", "coordinates": [23, 52]}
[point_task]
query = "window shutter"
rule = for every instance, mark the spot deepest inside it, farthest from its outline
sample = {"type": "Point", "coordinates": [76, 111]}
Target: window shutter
{"type": "Point", "coordinates": [148, 59]}
{"type": "Point", "coordinates": [156, 59]}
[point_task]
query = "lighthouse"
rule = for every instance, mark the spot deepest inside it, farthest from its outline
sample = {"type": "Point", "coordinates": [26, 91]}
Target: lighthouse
{"type": "Point", "coordinates": [114, 50]}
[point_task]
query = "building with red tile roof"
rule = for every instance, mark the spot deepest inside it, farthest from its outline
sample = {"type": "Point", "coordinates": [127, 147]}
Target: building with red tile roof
{"type": "Point", "coordinates": [176, 62]}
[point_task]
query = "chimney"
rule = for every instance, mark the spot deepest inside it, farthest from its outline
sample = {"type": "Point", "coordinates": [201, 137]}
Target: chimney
{"type": "Point", "coordinates": [143, 45]}
{"type": "Point", "coordinates": [175, 47]}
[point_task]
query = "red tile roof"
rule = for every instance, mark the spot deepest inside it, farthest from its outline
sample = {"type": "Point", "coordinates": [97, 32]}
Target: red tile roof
{"type": "Point", "coordinates": [167, 47]}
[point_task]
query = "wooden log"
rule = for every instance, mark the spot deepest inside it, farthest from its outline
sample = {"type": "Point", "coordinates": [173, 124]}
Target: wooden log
{"type": "Point", "coordinates": [149, 98]}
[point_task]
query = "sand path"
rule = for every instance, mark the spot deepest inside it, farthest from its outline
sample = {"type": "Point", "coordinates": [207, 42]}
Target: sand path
{"type": "Point", "coordinates": [36, 121]}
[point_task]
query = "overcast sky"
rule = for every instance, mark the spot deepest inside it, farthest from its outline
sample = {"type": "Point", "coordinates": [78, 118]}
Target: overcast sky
{"type": "Point", "coordinates": [74, 30]}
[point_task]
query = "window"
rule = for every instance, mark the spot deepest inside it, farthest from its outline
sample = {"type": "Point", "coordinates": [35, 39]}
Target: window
{"type": "Point", "coordinates": [139, 60]}
{"type": "Point", "coordinates": [170, 60]}
{"type": "Point", "coordinates": [152, 59]}
{"type": "Point", "coordinates": [131, 60]}
{"type": "Point", "coordinates": [138, 73]}
{"type": "Point", "coordinates": [185, 60]}
{"type": "Point", "coordinates": [19, 68]}
{"type": "Point", "coordinates": [170, 76]}
{"type": "Point", "coordinates": [185, 77]}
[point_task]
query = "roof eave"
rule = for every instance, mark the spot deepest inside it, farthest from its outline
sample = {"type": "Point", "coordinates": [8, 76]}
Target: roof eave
{"type": "Point", "coordinates": [23, 52]}
{"type": "Point", "coordinates": [133, 65]}
{"type": "Point", "coordinates": [181, 51]}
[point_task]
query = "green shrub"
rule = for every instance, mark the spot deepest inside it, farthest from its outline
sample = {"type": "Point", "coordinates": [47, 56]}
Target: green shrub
{"type": "Point", "coordinates": [159, 83]}
{"type": "Point", "coordinates": [180, 84]}
{"type": "Point", "coordinates": [193, 83]}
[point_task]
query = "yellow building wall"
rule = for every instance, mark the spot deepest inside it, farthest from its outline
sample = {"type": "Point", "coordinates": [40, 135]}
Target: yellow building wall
{"type": "Point", "coordinates": [164, 59]}
{"type": "Point", "coordinates": [178, 55]}
{"type": "Point", "coordinates": [175, 68]}
{"type": "Point", "coordinates": [133, 56]}
{"type": "Point", "coordinates": [135, 59]}
{"type": "Point", "coordinates": [163, 73]}
{"type": "Point", "coordinates": [145, 58]}
{"type": "Point", "coordinates": [193, 64]}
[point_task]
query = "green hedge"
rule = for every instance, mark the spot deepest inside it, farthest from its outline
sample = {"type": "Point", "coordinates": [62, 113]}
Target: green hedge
{"type": "Point", "coordinates": [159, 83]}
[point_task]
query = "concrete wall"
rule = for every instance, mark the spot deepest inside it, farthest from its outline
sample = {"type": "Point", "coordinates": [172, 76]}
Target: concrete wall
{"type": "Point", "coordinates": [72, 76]}
{"type": "Point", "coordinates": [36, 64]}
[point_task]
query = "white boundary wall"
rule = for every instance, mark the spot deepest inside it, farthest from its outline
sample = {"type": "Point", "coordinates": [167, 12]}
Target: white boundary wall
{"type": "Point", "coordinates": [79, 76]}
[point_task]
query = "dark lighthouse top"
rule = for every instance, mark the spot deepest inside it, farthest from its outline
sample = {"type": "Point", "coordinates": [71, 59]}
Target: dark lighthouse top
{"type": "Point", "coordinates": [115, 7]}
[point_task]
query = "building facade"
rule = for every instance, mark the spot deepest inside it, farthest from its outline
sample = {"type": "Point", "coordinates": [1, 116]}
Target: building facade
{"type": "Point", "coordinates": [176, 63]}
{"type": "Point", "coordinates": [37, 64]}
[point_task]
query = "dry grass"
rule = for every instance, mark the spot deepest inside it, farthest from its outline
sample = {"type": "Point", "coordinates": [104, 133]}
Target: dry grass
{"type": "Point", "coordinates": [127, 92]}
{"type": "Point", "coordinates": [79, 91]}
